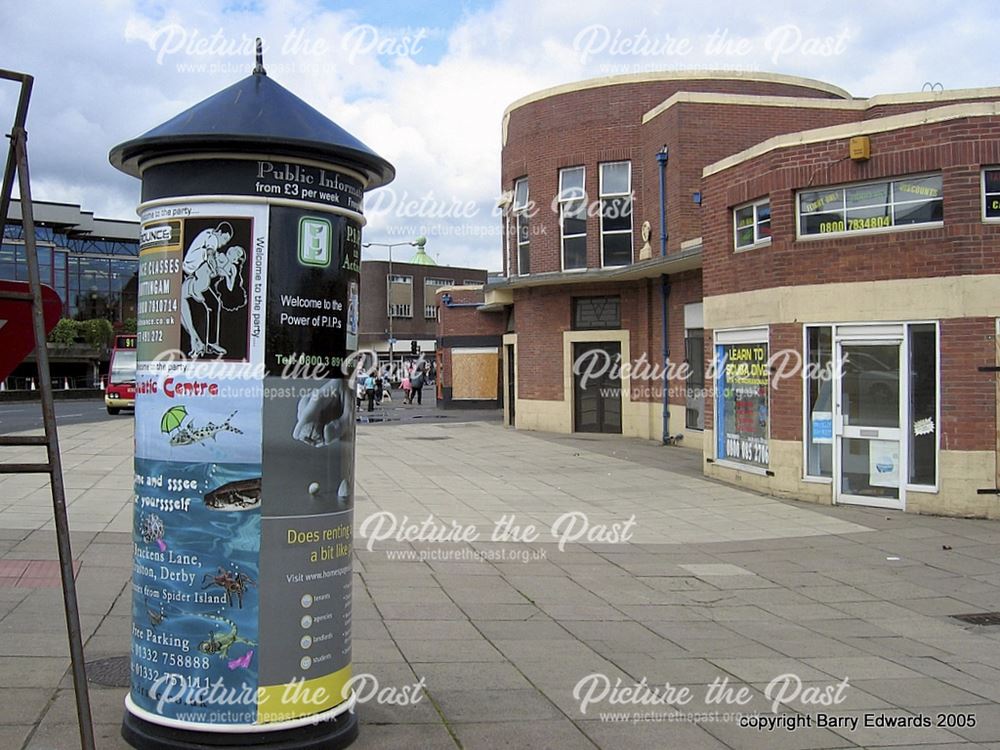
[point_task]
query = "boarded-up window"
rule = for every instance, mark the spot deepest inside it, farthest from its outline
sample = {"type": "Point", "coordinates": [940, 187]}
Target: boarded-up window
{"type": "Point", "coordinates": [474, 374]}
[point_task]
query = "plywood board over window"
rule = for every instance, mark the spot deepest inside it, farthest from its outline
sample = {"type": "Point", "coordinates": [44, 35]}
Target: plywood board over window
{"type": "Point", "coordinates": [474, 374]}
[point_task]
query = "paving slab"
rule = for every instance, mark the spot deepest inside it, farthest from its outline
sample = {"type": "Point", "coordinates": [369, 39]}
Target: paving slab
{"type": "Point", "coordinates": [715, 584]}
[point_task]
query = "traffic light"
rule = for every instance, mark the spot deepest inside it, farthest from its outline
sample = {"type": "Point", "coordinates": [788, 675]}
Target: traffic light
{"type": "Point", "coordinates": [413, 348]}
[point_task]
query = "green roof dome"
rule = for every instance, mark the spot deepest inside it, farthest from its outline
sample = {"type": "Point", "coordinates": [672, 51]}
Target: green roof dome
{"type": "Point", "coordinates": [421, 257]}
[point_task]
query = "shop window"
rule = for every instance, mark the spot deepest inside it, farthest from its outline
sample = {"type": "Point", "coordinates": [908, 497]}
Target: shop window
{"type": "Point", "coordinates": [819, 385]}
{"type": "Point", "coordinates": [742, 413]}
{"type": "Point", "coordinates": [522, 226]}
{"type": "Point", "coordinates": [573, 218]}
{"type": "Point", "coordinates": [923, 418]}
{"type": "Point", "coordinates": [752, 224]}
{"type": "Point", "coordinates": [854, 209]}
{"type": "Point", "coordinates": [694, 356]}
{"type": "Point", "coordinates": [616, 213]}
{"type": "Point", "coordinates": [991, 194]}
{"type": "Point", "coordinates": [597, 313]}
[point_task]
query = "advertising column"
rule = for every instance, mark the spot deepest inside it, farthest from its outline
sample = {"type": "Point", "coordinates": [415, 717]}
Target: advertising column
{"type": "Point", "coordinates": [244, 450]}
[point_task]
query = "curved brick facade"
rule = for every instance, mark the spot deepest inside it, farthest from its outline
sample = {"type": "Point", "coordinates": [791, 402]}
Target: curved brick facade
{"type": "Point", "coordinates": [929, 292]}
{"type": "Point", "coordinates": [593, 125]}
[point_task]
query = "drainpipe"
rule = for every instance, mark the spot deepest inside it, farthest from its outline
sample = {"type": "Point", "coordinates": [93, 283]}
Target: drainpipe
{"type": "Point", "coordinates": [661, 159]}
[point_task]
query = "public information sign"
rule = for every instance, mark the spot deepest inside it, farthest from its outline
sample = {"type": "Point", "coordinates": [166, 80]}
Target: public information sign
{"type": "Point", "coordinates": [244, 463]}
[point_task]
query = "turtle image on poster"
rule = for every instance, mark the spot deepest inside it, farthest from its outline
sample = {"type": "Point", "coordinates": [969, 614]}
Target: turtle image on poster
{"type": "Point", "coordinates": [214, 299]}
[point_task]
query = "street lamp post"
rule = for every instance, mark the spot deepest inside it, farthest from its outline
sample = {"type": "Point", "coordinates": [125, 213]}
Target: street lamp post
{"type": "Point", "coordinates": [418, 242]}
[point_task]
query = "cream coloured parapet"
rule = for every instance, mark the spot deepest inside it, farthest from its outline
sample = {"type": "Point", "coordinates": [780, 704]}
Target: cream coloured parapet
{"type": "Point", "coordinates": [932, 99]}
{"type": "Point", "coordinates": [862, 127]}
{"type": "Point", "coordinates": [499, 296]}
{"type": "Point", "coordinates": [675, 75]}
{"type": "Point", "coordinates": [933, 298]}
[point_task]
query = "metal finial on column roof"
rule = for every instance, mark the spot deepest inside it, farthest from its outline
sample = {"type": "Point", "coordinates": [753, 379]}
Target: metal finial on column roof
{"type": "Point", "coordinates": [259, 69]}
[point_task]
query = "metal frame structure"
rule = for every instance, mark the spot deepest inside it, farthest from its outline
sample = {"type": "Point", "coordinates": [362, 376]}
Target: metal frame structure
{"type": "Point", "coordinates": [17, 160]}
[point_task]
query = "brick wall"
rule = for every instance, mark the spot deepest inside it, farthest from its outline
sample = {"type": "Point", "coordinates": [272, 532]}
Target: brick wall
{"type": "Point", "coordinates": [467, 321]}
{"type": "Point", "coordinates": [545, 313]}
{"type": "Point", "coordinates": [700, 134]}
{"type": "Point", "coordinates": [374, 321]}
{"type": "Point", "coordinates": [968, 397]}
{"type": "Point", "coordinates": [590, 126]}
{"type": "Point", "coordinates": [964, 245]}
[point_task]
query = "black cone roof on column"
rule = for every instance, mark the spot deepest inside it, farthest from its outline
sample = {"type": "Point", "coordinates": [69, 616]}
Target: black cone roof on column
{"type": "Point", "coordinates": [255, 115]}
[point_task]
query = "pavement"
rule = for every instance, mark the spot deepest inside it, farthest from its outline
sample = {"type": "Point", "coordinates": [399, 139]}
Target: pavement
{"type": "Point", "coordinates": [523, 642]}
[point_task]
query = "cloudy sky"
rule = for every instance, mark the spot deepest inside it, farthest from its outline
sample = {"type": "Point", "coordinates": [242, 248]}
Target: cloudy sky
{"type": "Point", "coordinates": [425, 84]}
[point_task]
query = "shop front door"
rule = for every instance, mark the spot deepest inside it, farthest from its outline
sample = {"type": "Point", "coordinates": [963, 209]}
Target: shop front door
{"type": "Point", "coordinates": [597, 403]}
{"type": "Point", "coordinates": [870, 449]}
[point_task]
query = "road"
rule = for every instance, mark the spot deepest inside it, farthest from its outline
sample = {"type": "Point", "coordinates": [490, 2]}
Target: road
{"type": "Point", "coordinates": [27, 415]}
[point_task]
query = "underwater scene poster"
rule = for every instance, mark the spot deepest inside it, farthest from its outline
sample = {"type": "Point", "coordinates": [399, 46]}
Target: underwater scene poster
{"type": "Point", "coordinates": [195, 603]}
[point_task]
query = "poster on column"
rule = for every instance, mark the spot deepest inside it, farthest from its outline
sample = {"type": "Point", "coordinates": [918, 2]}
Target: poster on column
{"type": "Point", "coordinates": [198, 466]}
{"type": "Point", "coordinates": [308, 464]}
{"type": "Point", "coordinates": [743, 382]}
{"type": "Point", "coordinates": [201, 283]}
{"type": "Point", "coordinates": [312, 316]}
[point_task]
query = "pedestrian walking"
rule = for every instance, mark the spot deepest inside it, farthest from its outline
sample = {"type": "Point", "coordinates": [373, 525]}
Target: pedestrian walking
{"type": "Point", "coordinates": [417, 385]}
{"type": "Point", "coordinates": [359, 390]}
{"type": "Point", "coordinates": [405, 385]}
{"type": "Point", "coordinates": [370, 391]}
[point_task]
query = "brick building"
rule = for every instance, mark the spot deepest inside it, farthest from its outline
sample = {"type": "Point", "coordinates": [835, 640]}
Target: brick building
{"type": "Point", "coordinates": [816, 275]}
{"type": "Point", "coordinates": [406, 292]}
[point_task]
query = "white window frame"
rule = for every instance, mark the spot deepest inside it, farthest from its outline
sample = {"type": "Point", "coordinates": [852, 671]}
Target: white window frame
{"type": "Point", "coordinates": [756, 335]}
{"type": "Point", "coordinates": [563, 201]}
{"type": "Point", "coordinates": [601, 197]}
{"type": "Point", "coordinates": [864, 232]}
{"type": "Point", "coordinates": [758, 241]}
{"type": "Point", "coordinates": [982, 193]}
{"type": "Point", "coordinates": [856, 329]}
{"type": "Point", "coordinates": [521, 211]}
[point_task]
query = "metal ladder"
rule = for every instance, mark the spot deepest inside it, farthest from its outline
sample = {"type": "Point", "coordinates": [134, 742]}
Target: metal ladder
{"type": "Point", "coordinates": [17, 160]}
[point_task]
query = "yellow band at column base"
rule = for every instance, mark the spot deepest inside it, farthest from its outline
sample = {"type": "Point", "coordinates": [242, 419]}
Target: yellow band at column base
{"type": "Point", "coordinates": [302, 698]}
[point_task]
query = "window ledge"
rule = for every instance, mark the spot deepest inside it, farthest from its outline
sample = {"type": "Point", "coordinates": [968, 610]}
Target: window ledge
{"type": "Point", "coordinates": [741, 467]}
{"type": "Point", "coordinates": [817, 480]}
{"type": "Point", "coordinates": [868, 232]}
{"type": "Point", "coordinates": [754, 246]}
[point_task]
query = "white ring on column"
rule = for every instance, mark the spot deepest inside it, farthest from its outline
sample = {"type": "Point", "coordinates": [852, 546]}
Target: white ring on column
{"type": "Point", "coordinates": [193, 726]}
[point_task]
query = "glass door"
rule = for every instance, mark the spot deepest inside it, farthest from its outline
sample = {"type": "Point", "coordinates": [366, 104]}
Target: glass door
{"type": "Point", "coordinates": [870, 445]}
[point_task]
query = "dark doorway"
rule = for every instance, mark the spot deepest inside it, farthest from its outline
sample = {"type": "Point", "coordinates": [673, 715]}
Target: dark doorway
{"type": "Point", "coordinates": [597, 403]}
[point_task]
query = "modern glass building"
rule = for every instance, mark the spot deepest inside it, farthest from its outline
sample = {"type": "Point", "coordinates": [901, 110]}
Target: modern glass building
{"type": "Point", "coordinates": [92, 263]}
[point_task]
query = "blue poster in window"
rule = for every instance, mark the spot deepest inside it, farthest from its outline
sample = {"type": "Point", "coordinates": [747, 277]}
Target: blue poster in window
{"type": "Point", "coordinates": [742, 419]}
{"type": "Point", "coordinates": [822, 427]}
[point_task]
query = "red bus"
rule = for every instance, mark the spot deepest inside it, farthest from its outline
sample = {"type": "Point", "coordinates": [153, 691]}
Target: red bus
{"type": "Point", "coordinates": [120, 391]}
